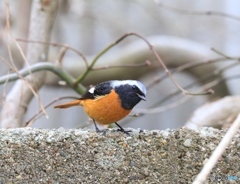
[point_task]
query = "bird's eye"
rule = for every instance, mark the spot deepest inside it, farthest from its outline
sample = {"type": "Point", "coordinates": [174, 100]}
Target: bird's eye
{"type": "Point", "coordinates": [134, 87]}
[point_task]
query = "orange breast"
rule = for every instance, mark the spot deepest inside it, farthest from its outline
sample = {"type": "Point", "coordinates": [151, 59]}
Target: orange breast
{"type": "Point", "coordinates": [106, 109]}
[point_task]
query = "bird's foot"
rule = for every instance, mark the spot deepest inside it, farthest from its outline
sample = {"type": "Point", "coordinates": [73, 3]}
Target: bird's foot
{"type": "Point", "coordinates": [122, 129]}
{"type": "Point", "coordinates": [103, 132]}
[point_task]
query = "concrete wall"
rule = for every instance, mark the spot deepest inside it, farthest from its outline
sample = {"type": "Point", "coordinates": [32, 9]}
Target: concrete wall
{"type": "Point", "coordinates": [82, 156]}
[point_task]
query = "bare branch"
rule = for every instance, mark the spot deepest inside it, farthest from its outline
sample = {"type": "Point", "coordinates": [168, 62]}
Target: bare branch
{"type": "Point", "coordinates": [182, 100]}
{"type": "Point", "coordinates": [147, 63]}
{"type": "Point", "coordinates": [202, 176]}
{"type": "Point", "coordinates": [56, 45]}
{"type": "Point", "coordinates": [20, 95]}
{"type": "Point", "coordinates": [13, 66]}
{"type": "Point", "coordinates": [166, 69]}
{"type": "Point", "coordinates": [169, 106]}
{"type": "Point", "coordinates": [195, 12]}
{"type": "Point", "coordinates": [82, 76]}
{"type": "Point", "coordinates": [40, 112]}
{"type": "Point", "coordinates": [187, 66]}
{"type": "Point", "coordinates": [42, 66]}
{"type": "Point", "coordinates": [222, 54]}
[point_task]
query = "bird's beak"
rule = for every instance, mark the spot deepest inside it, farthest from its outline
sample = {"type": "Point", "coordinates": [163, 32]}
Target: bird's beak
{"type": "Point", "coordinates": [142, 97]}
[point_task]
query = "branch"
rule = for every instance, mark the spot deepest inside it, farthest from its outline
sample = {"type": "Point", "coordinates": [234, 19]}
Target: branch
{"type": "Point", "coordinates": [45, 66]}
{"type": "Point", "coordinates": [152, 110]}
{"type": "Point", "coordinates": [151, 47]}
{"type": "Point", "coordinates": [40, 112]}
{"type": "Point", "coordinates": [17, 100]}
{"type": "Point", "coordinates": [56, 45]}
{"type": "Point", "coordinates": [147, 63]}
{"type": "Point", "coordinates": [194, 12]}
{"type": "Point", "coordinates": [81, 77]}
{"type": "Point", "coordinates": [188, 66]}
{"type": "Point", "coordinates": [202, 176]}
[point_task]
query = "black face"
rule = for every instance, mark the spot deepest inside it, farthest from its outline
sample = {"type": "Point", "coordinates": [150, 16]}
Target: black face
{"type": "Point", "coordinates": [129, 95]}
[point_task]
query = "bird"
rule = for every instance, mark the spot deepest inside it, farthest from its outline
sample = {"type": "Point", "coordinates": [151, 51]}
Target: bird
{"type": "Point", "coordinates": [110, 101]}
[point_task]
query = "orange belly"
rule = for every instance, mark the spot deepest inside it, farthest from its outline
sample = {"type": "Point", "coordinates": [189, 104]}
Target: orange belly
{"type": "Point", "coordinates": [105, 110]}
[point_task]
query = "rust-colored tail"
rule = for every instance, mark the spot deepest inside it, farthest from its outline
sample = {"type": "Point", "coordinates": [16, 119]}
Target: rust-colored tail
{"type": "Point", "coordinates": [68, 104]}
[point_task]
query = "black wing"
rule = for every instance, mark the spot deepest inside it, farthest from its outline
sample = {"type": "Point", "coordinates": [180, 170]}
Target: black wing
{"type": "Point", "coordinates": [87, 95]}
{"type": "Point", "coordinates": [101, 89]}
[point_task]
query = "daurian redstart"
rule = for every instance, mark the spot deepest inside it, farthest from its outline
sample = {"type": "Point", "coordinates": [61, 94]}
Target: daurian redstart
{"type": "Point", "coordinates": [110, 101]}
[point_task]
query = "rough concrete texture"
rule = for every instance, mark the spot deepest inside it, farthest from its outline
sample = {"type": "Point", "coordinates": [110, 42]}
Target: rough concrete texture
{"type": "Point", "coordinates": [82, 156]}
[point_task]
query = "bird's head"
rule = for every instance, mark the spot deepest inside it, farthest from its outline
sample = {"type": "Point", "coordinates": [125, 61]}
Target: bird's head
{"type": "Point", "coordinates": [130, 92]}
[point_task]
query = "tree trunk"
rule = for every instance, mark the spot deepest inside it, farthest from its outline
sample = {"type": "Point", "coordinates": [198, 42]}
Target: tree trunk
{"type": "Point", "coordinates": [16, 103]}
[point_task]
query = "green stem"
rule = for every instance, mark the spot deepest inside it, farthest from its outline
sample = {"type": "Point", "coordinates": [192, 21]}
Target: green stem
{"type": "Point", "coordinates": [81, 77]}
{"type": "Point", "coordinates": [45, 66]}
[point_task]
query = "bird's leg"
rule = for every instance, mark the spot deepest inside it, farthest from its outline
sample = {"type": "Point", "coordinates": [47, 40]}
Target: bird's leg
{"type": "Point", "coordinates": [96, 128]}
{"type": "Point", "coordinates": [122, 130]}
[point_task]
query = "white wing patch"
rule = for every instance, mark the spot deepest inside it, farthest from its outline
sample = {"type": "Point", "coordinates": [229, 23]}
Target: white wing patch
{"type": "Point", "coordinates": [91, 90]}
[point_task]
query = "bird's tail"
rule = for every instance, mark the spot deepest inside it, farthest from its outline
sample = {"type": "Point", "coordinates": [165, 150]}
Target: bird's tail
{"type": "Point", "coordinates": [69, 104]}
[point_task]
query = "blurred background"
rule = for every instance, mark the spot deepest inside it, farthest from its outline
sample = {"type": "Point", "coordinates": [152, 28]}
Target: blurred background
{"type": "Point", "coordinates": [181, 31]}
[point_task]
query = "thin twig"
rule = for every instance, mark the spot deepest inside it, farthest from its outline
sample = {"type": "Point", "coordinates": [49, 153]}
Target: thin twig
{"type": "Point", "coordinates": [56, 45]}
{"type": "Point", "coordinates": [208, 78]}
{"type": "Point", "coordinates": [222, 54]}
{"type": "Point", "coordinates": [13, 66]}
{"type": "Point", "coordinates": [176, 103]}
{"type": "Point", "coordinates": [81, 77]}
{"type": "Point", "coordinates": [202, 176]}
{"type": "Point", "coordinates": [61, 55]}
{"type": "Point", "coordinates": [164, 108]}
{"type": "Point", "coordinates": [220, 71]}
{"type": "Point", "coordinates": [39, 113]}
{"type": "Point", "coordinates": [151, 47]}
{"type": "Point", "coordinates": [194, 12]}
{"type": "Point", "coordinates": [187, 66]}
{"type": "Point", "coordinates": [137, 113]}
{"type": "Point", "coordinates": [146, 63]}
